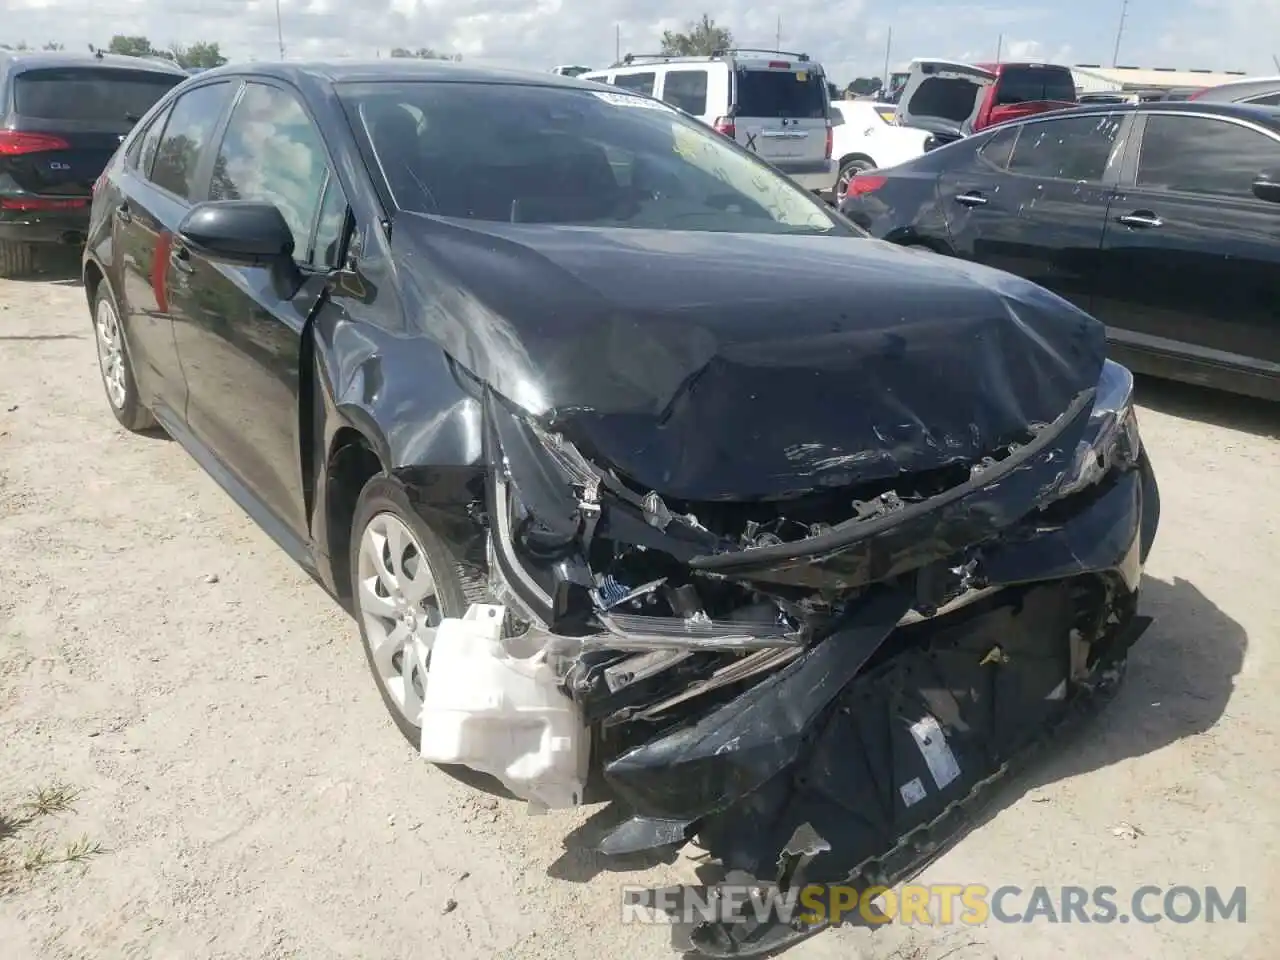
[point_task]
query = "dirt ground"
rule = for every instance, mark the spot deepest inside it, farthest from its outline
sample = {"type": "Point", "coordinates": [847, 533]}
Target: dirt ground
{"type": "Point", "coordinates": [242, 794]}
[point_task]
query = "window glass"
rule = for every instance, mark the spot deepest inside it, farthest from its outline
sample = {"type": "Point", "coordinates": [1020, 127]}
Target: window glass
{"type": "Point", "coordinates": [143, 149]}
{"type": "Point", "coordinates": [639, 82]}
{"type": "Point", "coordinates": [532, 154]}
{"type": "Point", "coordinates": [191, 123]}
{"type": "Point", "coordinates": [100, 94]}
{"type": "Point", "coordinates": [1267, 100]}
{"type": "Point", "coordinates": [330, 226]}
{"type": "Point", "coordinates": [1029, 84]}
{"type": "Point", "coordinates": [273, 152]}
{"type": "Point", "coordinates": [800, 95]}
{"type": "Point", "coordinates": [999, 148]}
{"type": "Point", "coordinates": [686, 89]}
{"type": "Point", "coordinates": [1199, 155]}
{"type": "Point", "coordinates": [949, 98]}
{"type": "Point", "coordinates": [1073, 148]}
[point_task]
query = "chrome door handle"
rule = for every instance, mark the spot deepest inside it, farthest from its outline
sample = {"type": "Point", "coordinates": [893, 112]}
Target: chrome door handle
{"type": "Point", "coordinates": [971, 199]}
{"type": "Point", "coordinates": [1143, 220]}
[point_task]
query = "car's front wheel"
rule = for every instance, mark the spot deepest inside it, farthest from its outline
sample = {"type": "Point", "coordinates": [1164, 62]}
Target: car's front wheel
{"type": "Point", "coordinates": [404, 581]}
{"type": "Point", "coordinates": [113, 363]}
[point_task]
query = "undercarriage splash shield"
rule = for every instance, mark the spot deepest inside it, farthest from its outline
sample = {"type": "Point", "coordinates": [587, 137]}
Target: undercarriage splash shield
{"type": "Point", "coordinates": [738, 747]}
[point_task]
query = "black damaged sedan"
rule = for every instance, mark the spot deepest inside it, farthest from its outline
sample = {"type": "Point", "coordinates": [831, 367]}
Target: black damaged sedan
{"type": "Point", "coordinates": [814, 536]}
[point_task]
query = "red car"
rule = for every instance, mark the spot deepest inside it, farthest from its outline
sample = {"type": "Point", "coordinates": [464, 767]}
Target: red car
{"type": "Point", "coordinates": [952, 99]}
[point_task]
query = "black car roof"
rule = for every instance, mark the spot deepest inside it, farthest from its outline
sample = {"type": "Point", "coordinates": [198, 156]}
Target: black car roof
{"type": "Point", "coordinates": [1266, 116]}
{"type": "Point", "coordinates": [19, 61]}
{"type": "Point", "coordinates": [396, 68]}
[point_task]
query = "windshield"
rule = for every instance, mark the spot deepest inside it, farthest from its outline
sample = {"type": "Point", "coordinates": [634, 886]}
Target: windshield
{"type": "Point", "coordinates": [554, 155]}
{"type": "Point", "coordinates": [89, 93]}
{"type": "Point", "coordinates": [799, 95]}
{"type": "Point", "coordinates": [1032, 84]}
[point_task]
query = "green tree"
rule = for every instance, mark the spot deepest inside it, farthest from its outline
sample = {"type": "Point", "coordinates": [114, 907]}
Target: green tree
{"type": "Point", "coordinates": [424, 53]}
{"type": "Point", "coordinates": [15, 47]}
{"type": "Point", "coordinates": [203, 54]}
{"type": "Point", "coordinates": [701, 39]}
{"type": "Point", "coordinates": [132, 46]}
{"type": "Point", "coordinates": [52, 45]}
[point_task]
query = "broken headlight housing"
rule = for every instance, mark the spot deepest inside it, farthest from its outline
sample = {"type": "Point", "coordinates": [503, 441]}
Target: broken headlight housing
{"type": "Point", "coordinates": [1113, 440]}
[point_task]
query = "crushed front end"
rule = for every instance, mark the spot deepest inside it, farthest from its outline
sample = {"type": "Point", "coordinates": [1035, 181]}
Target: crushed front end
{"type": "Point", "coordinates": [857, 662]}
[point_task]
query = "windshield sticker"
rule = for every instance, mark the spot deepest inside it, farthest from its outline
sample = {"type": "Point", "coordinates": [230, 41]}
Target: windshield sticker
{"type": "Point", "coordinates": [626, 100]}
{"type": "Point", "coordinates": [801, 76]}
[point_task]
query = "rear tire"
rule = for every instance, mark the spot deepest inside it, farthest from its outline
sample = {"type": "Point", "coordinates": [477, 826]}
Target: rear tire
{"type": "Point", "coordinates": [17, 259]}
{"type": "Point", "coordinates": [115, 366]}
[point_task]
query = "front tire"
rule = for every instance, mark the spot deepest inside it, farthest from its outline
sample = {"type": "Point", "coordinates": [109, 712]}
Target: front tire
{"type": "Point", "coordinates": [115, 366]}
{"type": "Point", "coordinates": [404, 581]}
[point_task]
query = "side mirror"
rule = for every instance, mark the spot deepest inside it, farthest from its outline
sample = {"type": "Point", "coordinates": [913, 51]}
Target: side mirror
{"type": "Point", "coordinates": [1266, 186]}
{"type": "Point", "coordinates": [242, 232]}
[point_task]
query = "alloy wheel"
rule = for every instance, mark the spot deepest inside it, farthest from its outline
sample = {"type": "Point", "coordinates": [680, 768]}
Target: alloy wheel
{"type": "Point", "coordinates": [110, 352]}
{"type": "Point", "coordinates": [397, 601]}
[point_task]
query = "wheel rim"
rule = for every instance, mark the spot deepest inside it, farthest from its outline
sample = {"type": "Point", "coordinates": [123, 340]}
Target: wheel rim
{"type": "Point", "coordinates": [847, 174]}
{"type": "Point", "coordinates": [110, 352]}
{"type": "Point", "coordinates": [396, 596]}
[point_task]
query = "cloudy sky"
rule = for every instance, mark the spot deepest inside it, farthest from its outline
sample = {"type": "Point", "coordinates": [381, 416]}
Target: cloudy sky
{"type": "Point", "coordinates": [848, 36]}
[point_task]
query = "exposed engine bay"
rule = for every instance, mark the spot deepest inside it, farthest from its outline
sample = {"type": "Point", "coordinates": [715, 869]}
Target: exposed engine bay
{"type": "Point", "coordinates": [855, 661]}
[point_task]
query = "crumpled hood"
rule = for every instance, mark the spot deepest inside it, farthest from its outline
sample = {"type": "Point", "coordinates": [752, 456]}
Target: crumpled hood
{"type": "Point", "coordinates": [712, 366]}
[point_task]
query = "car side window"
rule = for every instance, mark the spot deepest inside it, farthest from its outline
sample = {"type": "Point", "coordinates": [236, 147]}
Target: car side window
{"type": "Point", "coordinates": [272, 152]}
{"type": "Point", "coordinates": [1204, 156]}
{"type": "Point", "coordinates": [1266, 100]}
{"type": "Point", "coordinates": [331, 224]}
{"type": "Point", "coordinates": [1072, 148]}
{"type": "Point", "coordinates": [686, 89]}
{"type": "Point", "coordinates": [999, 148]}
{"type": "Point", "coordinates": [639, 82]}
{"type": "Point", "coordinates": [146, 145]}
{"type": "Point", "coordinates": [190, 126]}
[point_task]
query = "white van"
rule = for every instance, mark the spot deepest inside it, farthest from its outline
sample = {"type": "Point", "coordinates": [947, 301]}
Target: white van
{"type": "Point", "coordinates": [773, 103]}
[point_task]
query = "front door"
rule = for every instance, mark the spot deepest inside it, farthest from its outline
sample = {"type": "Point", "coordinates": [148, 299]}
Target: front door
{"type": "Point", "coordinates": [240, 333]}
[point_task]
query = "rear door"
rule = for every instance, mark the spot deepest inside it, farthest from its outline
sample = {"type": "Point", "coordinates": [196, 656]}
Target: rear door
{"type": "Point", "coordinates": [781, 113]}
{"type": "Point", "coordinates": [944, 97]}
{"type": "Point", "coordinates": [1034, 200]}
{"type": "Point", "coordinates": [163, 171]}
{"type": "Point", "coordinates": [89, 110]}
{"type": "Point", "coordinates": [1191, 257]}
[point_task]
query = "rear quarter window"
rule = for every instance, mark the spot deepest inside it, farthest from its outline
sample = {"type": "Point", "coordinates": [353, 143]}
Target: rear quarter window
{"type": "Point", "coordinates": [797, 95]}
{"type": "Point", "coordinates": [89, 93]}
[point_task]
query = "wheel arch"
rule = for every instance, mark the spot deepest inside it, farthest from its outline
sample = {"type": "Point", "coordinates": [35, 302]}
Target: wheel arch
{"type": "Point", "coordinates": [849, 157]}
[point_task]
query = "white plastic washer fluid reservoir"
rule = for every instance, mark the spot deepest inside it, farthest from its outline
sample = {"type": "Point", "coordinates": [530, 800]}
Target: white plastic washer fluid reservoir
{"type": "Point", "coordinates": [489, 708]}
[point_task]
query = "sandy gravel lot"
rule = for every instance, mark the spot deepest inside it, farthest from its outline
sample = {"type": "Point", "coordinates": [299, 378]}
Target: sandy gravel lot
{"type": "Point", "coordinates": [250, 799]}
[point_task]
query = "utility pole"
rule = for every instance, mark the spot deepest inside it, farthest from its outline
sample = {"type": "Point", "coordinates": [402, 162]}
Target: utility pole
{"type": "Point", "coordinates": [888, 47]}
{"type": "Point", "coordinates": [279, 31]}
{"type": "Point", "coordinates": [1115, 52]}
{"type": "Point", "coordinates": [777, 37]}
{"type": "Point", "coordinates": [999, 46]}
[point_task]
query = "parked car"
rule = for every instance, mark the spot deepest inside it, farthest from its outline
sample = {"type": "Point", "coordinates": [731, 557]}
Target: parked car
{"type": "Point", "coordinates": [62, 115]}
{"type": "Point", "coordinates": [1260, 91]}
{"type": "Point", "coordinates": [952, 100]}
{"type": "Point", "coordinates": [773, 103]}
{"type": "Point", "coordinates": [863, 140]}
{"type": "Point", "coordinates": [1160, 219]}
{"type": "Point", "coordinates": [719, 461]}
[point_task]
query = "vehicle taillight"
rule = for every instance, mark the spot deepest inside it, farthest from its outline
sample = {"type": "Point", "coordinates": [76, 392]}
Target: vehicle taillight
{"type": "Point", "coordinates": [13, 143]}
{"type": "Point", "coordinates": [41, 203]}
{"type": "Point", "coordinates": [725, 125]}
{"type": "Point", "coordinates": [829, 139]}
{"type": "Point", "coordinates": [864, 184]}
{"type": "Point", "coordinates": [779, 65]}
